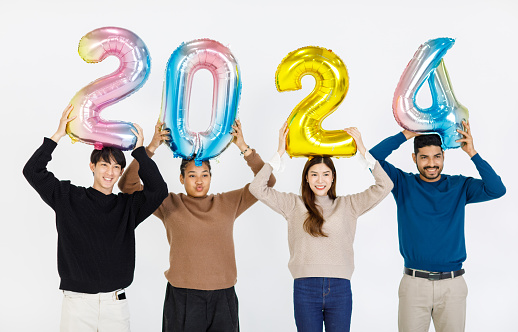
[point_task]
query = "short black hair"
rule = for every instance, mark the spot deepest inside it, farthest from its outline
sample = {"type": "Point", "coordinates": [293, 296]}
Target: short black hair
{"type": "Point", "coordinates": [185, 162]}
{"type": "Point", "coordinates": [107, 154]}
{"type": "Point", "coordinates": [426, 140]}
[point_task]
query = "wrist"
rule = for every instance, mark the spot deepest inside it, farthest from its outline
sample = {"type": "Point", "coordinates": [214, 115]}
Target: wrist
{"type": "Point", "coordinates": [56, 137]}
{"type": "Point", "coordinates": [245, 151]}
{"type": "Point", "coordinates": [151, 148]}
{"type": "Point", "coordinates": [472, 153]}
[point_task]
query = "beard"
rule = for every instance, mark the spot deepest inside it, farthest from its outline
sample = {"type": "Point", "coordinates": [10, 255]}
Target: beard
{"type": "Point", "coordinates": [422, 171]}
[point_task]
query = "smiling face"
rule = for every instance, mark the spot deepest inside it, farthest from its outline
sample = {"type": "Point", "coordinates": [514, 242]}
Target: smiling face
{"type": "Point", "coordinates": [320, 179]}
{"type": "Point", "coordinates": [106, 175]}
{"type": "Point", "coordinates": [429, 161]}
{"type": "Point", "coordinates": [196, 180]}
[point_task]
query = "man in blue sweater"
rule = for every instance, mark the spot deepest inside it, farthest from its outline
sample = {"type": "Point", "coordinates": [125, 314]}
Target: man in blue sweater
{"type": "Point", "coordinates": [96, 232]}
{"type": "Point", "coordinates": [430, 213]}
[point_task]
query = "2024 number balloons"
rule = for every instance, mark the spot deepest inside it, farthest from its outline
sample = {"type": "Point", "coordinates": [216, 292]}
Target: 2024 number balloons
{"type": "Point", "coordinates": [446, 114]}
{"type": "Point", "coordinates": [306, 136]}
{"type": "Point", "coordinates": [89, 102]}
{"type": "Point", "coordinates": [185, 61]}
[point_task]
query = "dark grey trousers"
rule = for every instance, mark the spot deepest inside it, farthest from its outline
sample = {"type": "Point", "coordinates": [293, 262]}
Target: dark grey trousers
{"type": "Point", "coordinates": [193, 310]}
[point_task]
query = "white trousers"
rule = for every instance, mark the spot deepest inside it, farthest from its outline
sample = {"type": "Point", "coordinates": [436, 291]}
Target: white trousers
{"type": "Point", "coordinates": [100, 312]}
{"type": "Point", "coordinates": [421, 300]}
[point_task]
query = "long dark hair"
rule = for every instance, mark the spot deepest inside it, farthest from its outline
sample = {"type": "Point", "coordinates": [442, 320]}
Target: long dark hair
{"type": "Point", "coordinates": [315, 221]}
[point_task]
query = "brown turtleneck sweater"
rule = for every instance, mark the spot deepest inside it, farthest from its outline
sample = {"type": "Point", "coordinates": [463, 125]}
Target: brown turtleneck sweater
{"type": "Point", "coordinates": [200, 231]}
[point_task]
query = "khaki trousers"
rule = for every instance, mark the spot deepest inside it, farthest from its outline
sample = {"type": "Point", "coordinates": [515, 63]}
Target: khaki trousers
{"type": "Point", "coordinates": [100, 312]}
{"type": "Point", "coordinates": [421, 299]}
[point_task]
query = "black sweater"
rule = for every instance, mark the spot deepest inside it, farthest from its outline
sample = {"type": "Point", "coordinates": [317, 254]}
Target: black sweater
{"type": "Point", "coordinates": [96, 232]}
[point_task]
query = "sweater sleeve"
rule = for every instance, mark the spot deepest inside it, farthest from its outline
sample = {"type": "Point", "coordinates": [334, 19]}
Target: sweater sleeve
{"type": "Point", "coordinates": [366, 200]}
{"type": "Point", "coordinates": [246, 199]}
{"type": "Point", "coordinates": [154, 189]}
{"type": "Point", "coordinates": [383, 150]}
{"type": "Point", "coordinates": [487, 188]}
{"type": "Point", "coordinates": [36, 173]}
{"type": "Point", "coordinates": [280, 202]}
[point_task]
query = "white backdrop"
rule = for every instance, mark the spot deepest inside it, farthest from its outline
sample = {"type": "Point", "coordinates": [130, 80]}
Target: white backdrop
{"type": "Point", "coordinates": [41, 71]}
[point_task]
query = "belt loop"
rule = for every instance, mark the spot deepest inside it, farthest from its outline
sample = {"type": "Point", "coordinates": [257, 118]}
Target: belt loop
{"type": "Point", "coordinates": [413, 273]}
{"type": "Point", "coordinates": [452, 275]}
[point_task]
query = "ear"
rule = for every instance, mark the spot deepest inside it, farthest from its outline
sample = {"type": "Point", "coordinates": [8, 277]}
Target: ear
{"type": "Point", "coordinates": [413, 157]}
{"type": "Point", "coordinates": [92, 167]}
{"type": "Point", "coordinates": [181, 179]}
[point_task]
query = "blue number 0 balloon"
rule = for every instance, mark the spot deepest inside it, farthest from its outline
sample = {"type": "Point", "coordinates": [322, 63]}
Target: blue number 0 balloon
{"type": "Point", "coordinates": [184, 62]}
{"type": "Point", "coordinates": [446, 113]}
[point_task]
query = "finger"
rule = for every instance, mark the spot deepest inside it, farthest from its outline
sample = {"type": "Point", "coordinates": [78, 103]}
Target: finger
{"type": "Point", "coordinates": [139, 129]}
{"type": "Point", "coordinates": [72, 118]}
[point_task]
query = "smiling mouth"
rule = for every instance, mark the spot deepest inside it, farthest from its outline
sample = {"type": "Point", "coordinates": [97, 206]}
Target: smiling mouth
{"type": "Point", "coordinates": [320, 187]}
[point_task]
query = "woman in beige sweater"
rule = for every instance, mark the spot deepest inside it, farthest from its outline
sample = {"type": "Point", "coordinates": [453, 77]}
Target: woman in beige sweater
{"type": "Point", "coordinates": [200, 293]}
{"type": "Point", "coordinates": [321, 229]}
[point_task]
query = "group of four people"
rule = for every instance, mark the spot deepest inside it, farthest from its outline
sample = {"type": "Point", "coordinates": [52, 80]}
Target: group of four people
{"type": "Point", "coordinates": [96, 240]}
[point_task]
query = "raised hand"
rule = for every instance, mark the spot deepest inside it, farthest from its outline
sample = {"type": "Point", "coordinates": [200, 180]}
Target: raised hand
{"type": "Point", "coordinates": [159, 137]}
{"type": "Point", "coordinates": [238, 140]}
{"type": "Point", "coordinates": [283, 132]}
{"type": "Point", "coordinates": [140, 135]}
{"type": "Point", "coordinates": [355, 133]}
{"type": "Point", "coordinates": [410, 134]}
{"type": "Point", "coordinates": [62, 128]}
{"type": "Point", "coordinates": [467, 141]}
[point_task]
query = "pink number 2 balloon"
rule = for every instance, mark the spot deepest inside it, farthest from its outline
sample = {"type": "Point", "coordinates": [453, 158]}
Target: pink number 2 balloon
{"type": "Point", "coordinates": [88, 103]}
{"type": "Point", "coordinates": [446, 113]}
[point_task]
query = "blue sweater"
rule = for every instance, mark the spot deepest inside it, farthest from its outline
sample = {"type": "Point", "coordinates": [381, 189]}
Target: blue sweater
{"type": "Point", "coordinates": [431, 214]}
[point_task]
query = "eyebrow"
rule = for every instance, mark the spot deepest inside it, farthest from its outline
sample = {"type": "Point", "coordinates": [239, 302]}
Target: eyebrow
{"type": "Point", "coordinates": [204, 171]}
{"type": "Point", "coordinates": [323, 172]}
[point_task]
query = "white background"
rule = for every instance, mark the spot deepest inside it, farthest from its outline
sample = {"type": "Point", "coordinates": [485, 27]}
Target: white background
{"type": "Point", "coordinates": [41, 71]}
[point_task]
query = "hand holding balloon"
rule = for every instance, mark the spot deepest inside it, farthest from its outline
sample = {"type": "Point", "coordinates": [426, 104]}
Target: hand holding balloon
{"type": "Point", "coordinates": [355, 133]}
{"type": "Point", "coordinates": [239, 140]}
{"type": "Point", "coordinates": [63, 124]}
{"type": "Point", "coordinates": [283, 133]}
{"type": "Point", "coordinates": [139, 134]}
{"type": "Point", "coordinates": [159, 137]}
{"type": "Point", "coordinates": [467, 141]}
{"type": "Point", "coordinates": [410, 134]}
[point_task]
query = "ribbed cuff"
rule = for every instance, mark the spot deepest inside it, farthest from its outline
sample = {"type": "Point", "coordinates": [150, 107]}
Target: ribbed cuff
{"type": "Point", "coordinates": [278, 164]}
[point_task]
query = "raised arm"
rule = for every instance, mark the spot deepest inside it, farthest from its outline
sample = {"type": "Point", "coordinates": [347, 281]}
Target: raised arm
{"type": "Point", "coordinates": [280, 202]}
{"type": "Point", "coordinates": [366, 200]}
{"type": "Point", "coordinates": [130, 180]}
{"type": "Point", "coordinates": [155, 188]}
{"type": "Point", "coordinates": [491, 185]}
{"type": "Point", "coordinates": [35, 170]}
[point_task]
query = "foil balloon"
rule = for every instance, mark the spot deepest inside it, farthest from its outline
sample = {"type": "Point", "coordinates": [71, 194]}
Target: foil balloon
{"type": "Point", "coordinates": [306, 136]}
{"type": "Point", "coordinates": [446, 114]}
{"type": "Point", "coordinates": [185, 61]}
{"type": "Point", "coordinates": [88, 103]}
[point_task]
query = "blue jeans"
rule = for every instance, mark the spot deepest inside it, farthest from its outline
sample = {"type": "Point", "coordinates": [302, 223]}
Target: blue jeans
{"type": "Point", "coordinates": [322, 300]}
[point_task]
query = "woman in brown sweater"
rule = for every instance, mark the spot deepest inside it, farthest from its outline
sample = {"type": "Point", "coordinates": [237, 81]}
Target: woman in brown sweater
{"type": "Point", "coordinates": [321, 229]}
{"type": "Point", "coordinates": [200, 293]}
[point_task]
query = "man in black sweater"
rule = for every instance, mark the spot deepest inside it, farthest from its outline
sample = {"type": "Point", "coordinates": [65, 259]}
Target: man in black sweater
{"type": "Point", "coordinates": [96, 231]}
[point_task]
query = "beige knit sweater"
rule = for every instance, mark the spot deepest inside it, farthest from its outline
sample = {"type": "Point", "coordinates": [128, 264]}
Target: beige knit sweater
{"type": "Point", "coordinates": [200, 231]}
{"type": "Point", "coordinates": [331, 256]}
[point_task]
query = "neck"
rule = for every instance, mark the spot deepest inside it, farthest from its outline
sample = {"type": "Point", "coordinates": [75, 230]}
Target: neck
{"type": "Point", "coordinates": [106, 191]}
{"type": "Point", "coordinates": [430, 180]}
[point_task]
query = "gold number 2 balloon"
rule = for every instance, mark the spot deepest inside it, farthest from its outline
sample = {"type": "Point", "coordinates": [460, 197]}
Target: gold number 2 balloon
{"type": "Point", "coordinates": [306, 136]}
